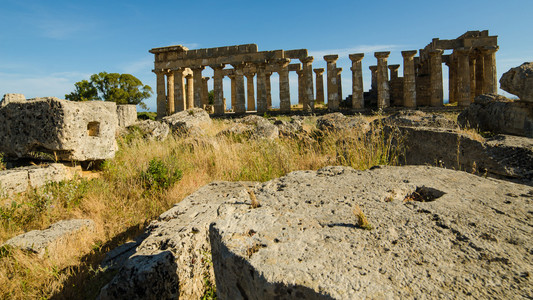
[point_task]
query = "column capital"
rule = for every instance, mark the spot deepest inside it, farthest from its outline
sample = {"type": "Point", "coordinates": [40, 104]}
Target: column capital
{"type": "Point", "coordinates": [319, 71]}
{"type": "Point", "coordinates": [249, 74]}
{"type": "Point", "coordinates": [206, 79]}
{"type": "Point", "coordinates": [463, 50]}
{"type": "Point", "coordinates": [331, 58]}
{"type": "Point", "coordinates": [239, 66]}
{"type": "Point", "coordinates": [307, 60]}
{"type": "Point", "coordinates": [197, 67]}
{"type": "Point", "coordinates": [338, 71]}
{"type": "Point", "coordinates": [435, 52]}
{"type": "Point", "coordinates": [409, 53]}
{"type": "Point", "coordinates": [188, 76]}
{"type": "Point", "coordinates": [393, 67]}
{"type": "Point", "coordinates": [217, 66]}
{"type": "Point", "coordinates": [373, 68]}
{"type": "Point", "coordinates": [356, 57]}
{"type": "Point", "coordinates": [382, 54]}
{"type": "Point", "coordinates": [300, 72]}
{"type": "Point", "coordinates": [489, 49]}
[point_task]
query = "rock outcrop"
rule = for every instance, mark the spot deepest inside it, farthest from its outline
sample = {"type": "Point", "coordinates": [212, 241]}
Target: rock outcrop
{"type": "Point", "coordinates": [151, 130]}
{"type": "Point", "coordinates": [436, 233]}
{"type": "Point", "coordinates": [497, 114]}
{"type": "Point", "coordinates": [519, 81]}
{"type": "Point", "coordinates": [418, 118]}
{"type": "Point", "coordinates": [252, 127]}
{"type": "Point", "coordinates": [338, 122]}
{"type": "Point", "coordinates": [8, 98]}
{"type": "Point", "coordinates": [66, 130]}
{"type": "Point", "coordinates": [188, 122]}
{"type": "Point", "coordinates": [41, 241]}
{"type": "Point", "coordinates": [127, 115]}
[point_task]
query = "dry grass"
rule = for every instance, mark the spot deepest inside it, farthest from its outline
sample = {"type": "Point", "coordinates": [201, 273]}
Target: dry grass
{"type": "Point", "coordinates": [121, 205]}
{"type": "Point", "coordinates": [361, 220]}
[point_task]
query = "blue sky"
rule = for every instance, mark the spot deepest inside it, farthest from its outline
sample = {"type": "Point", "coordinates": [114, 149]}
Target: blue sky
{"type": "Point", "coordinates": [46, 46]}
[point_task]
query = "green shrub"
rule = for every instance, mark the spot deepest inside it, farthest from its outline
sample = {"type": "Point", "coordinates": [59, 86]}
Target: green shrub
{"type": "Point", "coordinates": [158, 176]}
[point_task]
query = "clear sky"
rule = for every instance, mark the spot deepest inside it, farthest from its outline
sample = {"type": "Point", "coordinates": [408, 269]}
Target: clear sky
{"type": "Point", "coordinates": [47, 46]}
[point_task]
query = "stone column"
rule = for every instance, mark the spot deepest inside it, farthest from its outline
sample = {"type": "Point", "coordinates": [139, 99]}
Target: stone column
{"type": "Point", "coordinates": [357, 80]}
{"type": "Point", "coordinates": [161, 95]}
{"type": "Point", "coordinates": [233, 97]}
{"type": "Point", "coordinates": [197, 77]}
{"type": "Point", "coordinates": [205, 92]}
{"type": "Point", "coordinates": [383, 79]}
{"type": "Point", "coordinates": [284, 86]}
{"type": "Point", "coordinates": [170, 93]}
{"type": "Point", "coordinates": [393, 71]}
{"type": "Point", "coordinates": [319, 78]}
{"type": "Point", "coordinates": [333, 90]}
{"type": "Point", "coordinates": [240, 97]}
{"type": "Point", "coordinates": [179, 90]}
{"type": "Point", "coordinates": [268, 89]}
{"type": "Point", "coordinates": [339, 84]}
{"type": "Point", "coordinates": [308, 93]}
{"type": "Point", "coordinates": [489, 70]}
{"type": "Point", "coordinates": [451, 79]}
{"type": "Point", "coordinates": [190, 91]}
{"type": "Point", "coordinates": [472, 67]}
{"type": "Point", "coordinates": [479, 73]}
{"type": "Point", "coordinates": [463, 76]}
{"type": "Point", "coordinates": [250, 91]}
{"type": "Point", "coordinates": [409, 81]}
{"type": "Point", "coordinates": [435, 74]}
{"type": "Point", "coordinates": [374, 82]}
{"type": "Point", "coordinates": [261, 88]}
{"type": "Point", "coordinates": [300, 87]}
{"type": "Point", "coordinates": [218, 88]}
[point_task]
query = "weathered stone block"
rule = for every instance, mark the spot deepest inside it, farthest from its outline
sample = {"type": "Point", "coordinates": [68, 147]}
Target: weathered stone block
{"type": "Point", "coordinates": [519, 81]}
{"type": "Point", "coordinates": [127, 114]}
{"type": "Point", "coordinates": [68, 130]}
{"type": "Point", "coordinates": [12, 98]}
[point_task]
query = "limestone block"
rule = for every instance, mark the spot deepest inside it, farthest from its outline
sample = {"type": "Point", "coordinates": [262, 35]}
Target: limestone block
{"type": "Point", "coordinates": [152, 130]}
{"type": "Point", "coordinates": [12, 98]}
{"type": "Point", "coordinates": [252, 127]}
{"type": "Point", "coordinates": [13, 181]}
{"type": "Point", "coordinates": [188, 121]}
{"type": "Point", "coordinates": [67, 130]}
{"type": "Point", "coordinates": [519, 81]}
{"type": "Point", "coordinates": [337, 122]}
{"type": "Point", "coordinates": [39, 241]}
{"type": "Point", "coordinates": [127, 114]}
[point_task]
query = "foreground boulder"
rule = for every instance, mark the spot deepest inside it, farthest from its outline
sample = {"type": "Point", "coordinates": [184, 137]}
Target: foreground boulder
{"type": "Point", "coordinates": [188, 122]}
{"type": "Point", "coordinates": [338, 122]}
{"type": "Point", "coordinates": [417, 118]}
{"type": "Point", "coordinates": [436, 233]}
{"type": "Point", "coordinates": [66, 130]}
{"type": "Point", "coordinates": [151, 130]}
{"type": "Point", "coordinates": [519, 81]}
{"type": "Point", "coordinates": [497, 114]}
{"type": "Point", "coordinates": [42, 241]}
{"type": "Point", "coordinates": [252, 127]}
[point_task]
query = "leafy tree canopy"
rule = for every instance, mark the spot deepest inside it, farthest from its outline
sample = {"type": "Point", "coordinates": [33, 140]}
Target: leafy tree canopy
{"type": "Point", "coordinates": [115, 87]}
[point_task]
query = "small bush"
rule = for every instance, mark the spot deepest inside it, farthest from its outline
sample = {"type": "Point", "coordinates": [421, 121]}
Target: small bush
{"type": "Point", "coordinates": [146, 116]}
{"type": "Point", "coordinates": [158, 176]}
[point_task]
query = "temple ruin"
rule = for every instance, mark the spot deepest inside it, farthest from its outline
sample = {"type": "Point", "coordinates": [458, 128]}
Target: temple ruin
{"type": "Point", "coordinates": [180, 84]}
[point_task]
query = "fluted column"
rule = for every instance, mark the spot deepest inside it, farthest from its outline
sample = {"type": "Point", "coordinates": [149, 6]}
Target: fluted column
{"type": "Point", "coordinates": [205, 92]}
{"type": "Point", "coordinates": [284, 86]}
{"type": "Point", "coordinates": [489, 70]}
{"type": "Point", "coordinates": [250, 91]}
{"type": "Point", "coordinates": [233, 96]}
{"type": "Point", "coordinates": [393, 71]}
{"type": "Point", "coordinates": [333, 90]}
{"type": "Point", "coordinates": [309, 97]}
{"type": "Point", "coordinates": [197, 77]}
{"type": "Point", "coordinates": [268, 85]}
{"type": "Point", "coordinates": [190, 91]}
{"type": "Point", "coordinates": [357, 80]}
{"type": "Point", "coordinates": [319, 78]}
{"type": "Point", "coordinates": [339, 84]}
{"type": "Point", "coordinates": [409, 81]}
{"type": "Point", "coordinates": [463, 76]}
{"type": "Point", "coordinates": [179, 90]}
{"type": "Point", "coordinates": [240, 97]}
{"type": "Point", "coordinates": [435, 69]}
{"type": "Point", "coordinates": [472, 68]}
{"type": "Point", "coordinates": [300, 86]}
{"type": "Point", "coordinates": [383, 79]}
{"type": "Point", "coordinates": [374, 74]}
{"type": "Point", "coordinates": [479, 73]}
{"type": "Point", "coordinates": [261, 88]}
{"type": "Point", "coordinates": [170, 93]}
{"type": "Point", "coordinates": [161, 95]}
{"type": "Point", "coordinates": [218, 88]}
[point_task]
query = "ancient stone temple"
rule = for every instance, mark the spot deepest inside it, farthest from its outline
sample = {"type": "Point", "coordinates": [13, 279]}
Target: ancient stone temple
{"type": "Point", "coordinates": [180, 84]}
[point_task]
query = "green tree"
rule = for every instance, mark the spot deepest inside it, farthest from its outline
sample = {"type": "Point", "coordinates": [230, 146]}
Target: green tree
{"type": "Point", "coordinates": [211, 97]}
{"type": "Point", "coordinates": [115, 87]}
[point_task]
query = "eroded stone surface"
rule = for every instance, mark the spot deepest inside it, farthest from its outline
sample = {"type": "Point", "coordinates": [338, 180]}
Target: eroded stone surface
{"type": "Point", "coordinates": [519, 81]}
{"type": "Point", "coordinates": [7, 98]}
{"type": "Point", "coordinates": [252, 127]}
{"type": "Point", "coordinates": [68, 130]}
{"type": "Point", "coordinates": [339, 122]}
{"type": "Point", "coordinates": [39, 241]}
{"type": "Point", "coordinates": [418, 118]}
{"type": "Point", "coordinates": [127, 114]}
{"type": "Point", "coordinates": [189, 121]}
{"type": "Point", "coordinates": [152, 130]}
{"type": "Point", "coordinates": [464, 236]}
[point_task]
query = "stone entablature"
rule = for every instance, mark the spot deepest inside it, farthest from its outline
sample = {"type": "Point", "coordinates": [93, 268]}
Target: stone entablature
{"type": "Point", "coordinates": [180, 84]}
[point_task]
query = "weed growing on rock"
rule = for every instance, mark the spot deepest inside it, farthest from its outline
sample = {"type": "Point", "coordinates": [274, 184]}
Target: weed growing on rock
{"type": "Point", "coordinates": [361, 221]}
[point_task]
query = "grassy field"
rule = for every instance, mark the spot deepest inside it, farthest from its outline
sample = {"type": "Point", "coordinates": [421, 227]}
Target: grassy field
{"type": "Point", "coordinates": [145, 179]}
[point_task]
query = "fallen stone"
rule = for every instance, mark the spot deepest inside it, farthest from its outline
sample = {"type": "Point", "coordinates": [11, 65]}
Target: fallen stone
{"type": "Point", "coordinates": [151, 130]}
{"type": "Point", "coordinates": [334, 122]}
{"type": "Point", "coordinates": [127, 114]}
{"type": "Point", "coordinates": [66, 130]}
{"type": "Point", "coordinates": [8, 98]}
{"type": "Point", "coordinates": [519, 81]}
{"type": "Point", "coordinates": [436, 233]}
{"type": "Point", "coordinates": [293, 128]}
{"type": "Point", "coordinates": [417, 118]}
{"type": "Point", "coordinates": [18, 180]}
{"type": "Point", "coordinates": [188, 122]}
{"type": "Point", "coordinates": [252, 127]}
{"type": "Point", "coordinates": [498, 114]}
{"type": "Point", "coordinates": [40, 241]}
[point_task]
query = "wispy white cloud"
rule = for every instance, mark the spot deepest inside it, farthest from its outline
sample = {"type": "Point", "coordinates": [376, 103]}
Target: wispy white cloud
{"type": "Point", "coordinates": [59, 29]}
{"type": "Point", "coordinates": [145, 64]}
{"type": "Point", "coordinates": [343, 52]}
{"type": "Point", "coordinates": [55, 84]}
